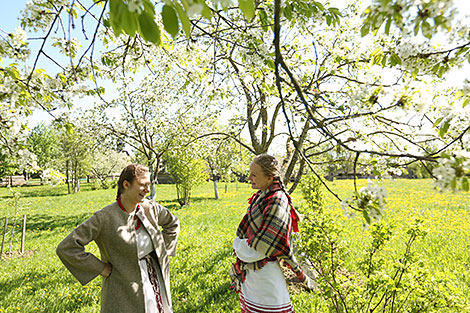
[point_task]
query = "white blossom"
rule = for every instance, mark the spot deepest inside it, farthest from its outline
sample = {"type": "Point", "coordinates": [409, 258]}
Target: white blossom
{"type": "Point", "coordinates": [27, 161]}
{"type": "Point", "coordinates": [452, 170]}
{"type": "Point", "coordinates": [52, 176]}
{"type": "Point", "coordinates": [135, 6]}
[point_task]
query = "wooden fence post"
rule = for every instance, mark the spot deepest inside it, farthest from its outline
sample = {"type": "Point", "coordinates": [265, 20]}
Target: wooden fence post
{"type": "Point", "coordinates": [12, 233]}
{"type": "Point", "coordinates": [23, 234]}
{"type": "Point", "coordinates": [4, 234]}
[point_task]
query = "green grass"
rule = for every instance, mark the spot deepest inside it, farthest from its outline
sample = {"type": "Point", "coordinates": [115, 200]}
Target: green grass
{"type": "Point", "coordinates": [199, 272]}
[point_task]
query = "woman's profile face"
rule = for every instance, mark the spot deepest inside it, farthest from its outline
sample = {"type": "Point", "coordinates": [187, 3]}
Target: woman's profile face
{"type": "Point", "coordinates": [258, 179]}
{"type": "Point", "coordinates": [138, 189]}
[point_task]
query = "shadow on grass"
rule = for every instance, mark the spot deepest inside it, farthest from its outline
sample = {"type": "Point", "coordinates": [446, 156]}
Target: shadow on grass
{"type": "Point", "coordinates": [174, 204]}
{"type": "Point", "coordinates": [38, 191]}
{"type": "Point", "coordinates": [44, 288]}
{"type": "Point", "coordinates": [51, 222]}
{"type": "Point", "coordinates": [212, 293]}
{"type": "Point", "coordinates": [32, 191]}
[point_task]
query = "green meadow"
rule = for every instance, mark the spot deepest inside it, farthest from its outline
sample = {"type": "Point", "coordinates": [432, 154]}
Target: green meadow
{"type": "Point", "coordinates": [37, 281]}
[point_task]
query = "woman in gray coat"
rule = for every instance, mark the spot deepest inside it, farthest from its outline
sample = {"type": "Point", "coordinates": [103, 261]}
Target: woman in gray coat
{"type": "Point", "coordinates": [135, 236]}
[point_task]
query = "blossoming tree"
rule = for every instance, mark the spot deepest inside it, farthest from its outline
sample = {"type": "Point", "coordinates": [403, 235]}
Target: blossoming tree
{"type": "Point", "coordinates": [365, 79]}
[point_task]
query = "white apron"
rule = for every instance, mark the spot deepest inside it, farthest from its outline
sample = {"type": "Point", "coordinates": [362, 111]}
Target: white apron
{"type": "Point", "coordinates": [144, 247]}
{"type": "Point", "coordinates": [263, 290]}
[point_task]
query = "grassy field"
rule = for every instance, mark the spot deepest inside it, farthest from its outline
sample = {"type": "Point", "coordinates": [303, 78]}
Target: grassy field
{"type": "Point", "coordinates": [37, 281]}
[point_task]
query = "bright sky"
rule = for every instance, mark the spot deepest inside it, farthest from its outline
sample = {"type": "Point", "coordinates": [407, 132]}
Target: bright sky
{"type": "Point", "coordinates": [9, 20]}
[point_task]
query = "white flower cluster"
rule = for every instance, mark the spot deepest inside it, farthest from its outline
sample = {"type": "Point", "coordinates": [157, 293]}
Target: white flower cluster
{"type": "Point", "coordinates": [135, 6]}
{"type": "Point", "coordinates": [34, 14]}
{"type": "Point", "coordinates": [18, 38]}
{"type": "Point", "coordinates": [451, 172]}
{"type": "Point", "coordinates": [66, 46]}
{"type": "Point", "coordinates": [13, 119]}
{"type": "Point", "coordinates": [27, 161]}
{"type": "Point", "coordinates": [53, 177]}
{"type": "Point", "coordinates": [370, 200]}
{"type": "Point", "coordinates": [258, 50]}
{"type": "Point", "coordinates": [447, 114]}
{"type": "Point", "coordinates": [15, 45]}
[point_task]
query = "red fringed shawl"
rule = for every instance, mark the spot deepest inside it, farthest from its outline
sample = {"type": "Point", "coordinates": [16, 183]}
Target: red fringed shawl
{"type": "Point", "coordinates": [268, 226]}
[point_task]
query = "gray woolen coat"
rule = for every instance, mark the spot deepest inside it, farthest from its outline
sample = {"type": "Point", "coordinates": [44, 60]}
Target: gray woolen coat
{"type": "Point", "coordinates": [113, 230]}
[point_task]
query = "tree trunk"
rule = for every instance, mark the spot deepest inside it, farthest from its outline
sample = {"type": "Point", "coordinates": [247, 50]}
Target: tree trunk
{"type": "Point", "coordinates": [216, 190]}
{"type": "Point", "coordinates": [153, 178]}
{"type": "Point", "coordinates": [295, 157]}
{"type": "Point", "coordinates": [67, 175]}
{"type": "Point", "coordinates": [298, 176]}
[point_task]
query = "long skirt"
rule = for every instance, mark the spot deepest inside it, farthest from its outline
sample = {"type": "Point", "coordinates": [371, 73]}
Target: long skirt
{"type": "Point", "coordinates": [265, 290]}
{"type": "Point", "coordinates": [156, 300]}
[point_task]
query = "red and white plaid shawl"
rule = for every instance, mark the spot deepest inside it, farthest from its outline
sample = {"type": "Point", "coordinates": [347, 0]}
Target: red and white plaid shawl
{"type": "Point", "coordinates": [268, 226]}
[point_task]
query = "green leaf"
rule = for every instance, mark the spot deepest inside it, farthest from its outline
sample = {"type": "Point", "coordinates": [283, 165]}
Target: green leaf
{"type": "Point", "coordinates": [387, 26]}
{"type": "Point", "coordinates": [206, 11]}
{"type": "Point", "coordinates": [453, 183]}
{"type": "Point", "coordinates": [442, 70]}
{"type": "Point", "coordinates": [328, 20]}
{"type": "Point", "coordinates": [444, 128]}
{"type": "Point", "coordinates": [68, 128]}
{"type": "Point", "coordinates": [149, 29]}
{"type": "Point", "coordinates": [384, 60]}
{"type": "Point", "coordinates": [366, 216]}
{"type": "Point", "coordinates": [129, 22]}
{"type": "Point", "coordinates": [437, 121]}
{"type": "Point", "coordinates": [375, 51]}
{"type": "Point", "coordinates": [335, 11]}
{"type": "Point", "coordinates": [395, 59]}
{"type": "Point", "coordinates": [416, 28]}
{"type": "Point", "coordinates": [319, 6]}
{"type": "Point", "coordinates": [465, 184]}
{"type": "Point", "coordinates": [466, 101]}
{"type": "Point", "coordinates": [439, 20]}
{"type": "Point", "coordinates": [462, 50]}
{"type": "Point", "coordinates": [149, 8]}
{"type": "Point", "coordinates": [263, 17]}
{"type": "Point", "coordinates": [185, 22]}
{"type": "Point", "coordinates": [270, 63]}
{"type": "Point", "coordinates": [106, 22]}
{"type": "Point", "coordinates": [170, 20]}
{"type": "Point", "coordinates": [115, 10]}
{"type": "Point", "coordinates": [248, 8]}
{"type": "Point", "coordinates": [426, 29]}
{"type": "Point", "coordinates": [113, 6]}
{"type": "Point", "coordinates": [364, 29]}
{"type": "Point", "coordinates": [287, 11]}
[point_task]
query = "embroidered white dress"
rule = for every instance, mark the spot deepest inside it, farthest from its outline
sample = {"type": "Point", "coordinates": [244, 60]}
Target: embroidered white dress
{"type": "Point", "coordinates": [145, 247]}
{"type": "Point", "coordinates": [263, 290]}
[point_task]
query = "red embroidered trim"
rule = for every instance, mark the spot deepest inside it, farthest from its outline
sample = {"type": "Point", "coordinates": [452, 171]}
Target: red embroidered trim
{"type": "Point", "coordinates": [136, 210]}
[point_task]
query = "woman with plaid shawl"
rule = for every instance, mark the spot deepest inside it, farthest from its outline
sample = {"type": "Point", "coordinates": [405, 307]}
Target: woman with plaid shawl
{"type": "Point", "coordinates": [263, 239]}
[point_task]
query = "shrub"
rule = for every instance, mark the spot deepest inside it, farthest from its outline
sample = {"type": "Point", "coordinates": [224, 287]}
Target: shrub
{"type": "Point", "coordinates": [187, 173]}
{"type": "Point", "coordinates": [379, 280]}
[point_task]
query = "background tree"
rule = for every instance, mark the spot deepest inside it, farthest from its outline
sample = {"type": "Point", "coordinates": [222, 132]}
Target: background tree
{"type": "Point", "coordinates": [75, 147]}
{"type": "Point", "coordinates": [326, 84]}
{"type": "Point", "coordinates": [160, 109]}
{"type": "Point", "coordinates": [107, 162]}
{"type": "Point", "coordinates": [43, 141]}
{"type": "Point", "coordinates": [227, 161]}
{"type": "Point", "coordinates": [187, 171]}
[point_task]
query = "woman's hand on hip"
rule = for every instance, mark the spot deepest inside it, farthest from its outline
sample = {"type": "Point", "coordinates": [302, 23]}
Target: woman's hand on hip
{"type": "Point", "coordinates": [108, 268]}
